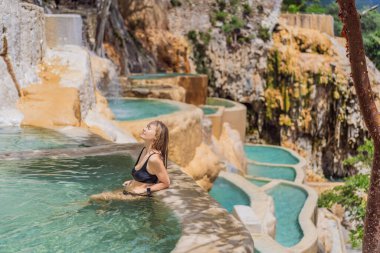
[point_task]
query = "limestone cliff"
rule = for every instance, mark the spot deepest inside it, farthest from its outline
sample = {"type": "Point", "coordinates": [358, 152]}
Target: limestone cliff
{"type": "Point", "coordinates": [309, 99]}
{"type": "Point", "coordinates": [21, 28]}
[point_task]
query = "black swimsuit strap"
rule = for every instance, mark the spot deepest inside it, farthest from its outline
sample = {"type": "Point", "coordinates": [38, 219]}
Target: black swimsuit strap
{"type": "Point", "coordinates": [139, 156]}
{"type": "Point", "coordinates": [146, 162]}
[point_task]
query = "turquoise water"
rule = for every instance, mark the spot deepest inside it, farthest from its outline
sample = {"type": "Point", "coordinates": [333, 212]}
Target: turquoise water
{"type": "Point", "coordinates": [209, 111]}
{"type": "Point", "coordinates": [228, 195]}
{"type": "Point", "coordinates": [269, 155]}
{"type": "Point", "coordinates": [158, 76]}
{"type": "Point", "coordinates": [44, 208]}
{"type": "Point", "coordinates": [32, 138]}
{"type": "Point", "coordinates": [257, 182]}
{"type": "Point", "coordinates": [133, 109]}
{"type": "Point", "coordinates": [288, 202]}
{"type": "Point", "coordinates": [273, 172]}
{"type": "Point", "coordinates": [219, 102]}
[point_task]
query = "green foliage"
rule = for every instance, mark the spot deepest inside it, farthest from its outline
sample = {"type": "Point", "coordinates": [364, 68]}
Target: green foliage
{"type": "Point", "coordinates": [352, 195]}
{"type": "Point", "coordinates": [294, 6]}
{"type": "Point", "coordinates": [372, 47]}
{"type": "Point", "coordinates": [233, 15]}
{"type": "Point", "coordinates": [347, 196]}
{"type": "Point", "coordinates": [192, 35]}
{"type": "Point", "coordinates": [200, 41]}
{"type": "Point", "coordinates": [315, 8]}
{"type": "Point", "coordinates": [175, 3]}
{"type": "Point", "coordinates": [247, 10]}
{"type": "Point", "coordinates": [264, 33]}
{"type": "Point", "coordinates": [221, 16]}
{"type": "Point", "coordinates": [365, 155]}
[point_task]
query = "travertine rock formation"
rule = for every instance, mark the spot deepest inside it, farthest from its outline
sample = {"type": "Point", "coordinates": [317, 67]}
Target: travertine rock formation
{"type": "Point", "coordinates": [309, 99]}
{"type": "Point", "coordinates": [21, 29]}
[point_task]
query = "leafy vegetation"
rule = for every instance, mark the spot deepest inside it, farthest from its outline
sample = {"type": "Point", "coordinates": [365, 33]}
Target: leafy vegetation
{"type": "Point", "coordinates": [175, 3]}
{"type": "Point", "coordinates": [233, 16]}
{"type": "Point", "coordinates": [200, 41]}
{"type": "Point", "coordinates": [353, 194]}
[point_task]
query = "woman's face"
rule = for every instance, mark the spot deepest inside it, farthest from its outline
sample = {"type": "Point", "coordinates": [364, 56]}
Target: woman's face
{"type": "Point", "coordinates": [149, 132]}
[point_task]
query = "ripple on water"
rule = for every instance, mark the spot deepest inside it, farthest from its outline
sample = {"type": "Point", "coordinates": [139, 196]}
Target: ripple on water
{"type": "Point", "coordinates": [44, 208]}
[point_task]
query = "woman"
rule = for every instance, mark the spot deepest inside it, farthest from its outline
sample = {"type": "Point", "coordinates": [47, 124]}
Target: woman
{"type": "Point", "coordinates": [149, 173]}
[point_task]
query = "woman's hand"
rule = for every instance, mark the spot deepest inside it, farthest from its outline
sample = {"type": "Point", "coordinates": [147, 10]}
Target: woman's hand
{"type": "Point", "coordinates": [139, 190]}
{"type": "Point", "coordinates": [126, 183]}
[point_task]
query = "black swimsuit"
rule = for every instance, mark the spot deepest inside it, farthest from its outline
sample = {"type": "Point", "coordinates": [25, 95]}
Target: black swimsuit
{"type": "Point", "coordinates": [142, 175]}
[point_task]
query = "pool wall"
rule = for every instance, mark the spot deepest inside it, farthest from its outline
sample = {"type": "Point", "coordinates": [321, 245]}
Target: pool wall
{"type": "Point", "coordinates": [236, 116]}
{"type": "Point", "coordinates": [216, 119]}
{"type": "Point", "coordinates": [307, 217]}
{"type": "Point", "coordinates": [299, 167]}
{"type": "Point", "coordinates": [262, 206]}
{"type": "Point", "coordinates": [185, 130]}
{"type": "Point", "coordinates": [189, 88]}
{"type": "Point", "coordinates": [307, 220]}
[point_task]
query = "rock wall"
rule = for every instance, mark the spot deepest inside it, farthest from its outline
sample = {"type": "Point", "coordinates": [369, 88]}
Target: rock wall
{"type": "Point", "coordinates": [66, 92]}
{"type": "Point", "coordinates": [235, 69]}
{"type": "Point", "coordinates": [22, 46]}
{"type": "Point", "coordinates": [319, 22]}
{"type": "Point", "coordinates": [191, 89]}
{"type": "Point", "coordinates": [310, 102]}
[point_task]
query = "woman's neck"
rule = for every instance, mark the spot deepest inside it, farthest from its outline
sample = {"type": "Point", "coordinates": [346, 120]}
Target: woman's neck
{"type": "Point", "coordinates": [148, 146]}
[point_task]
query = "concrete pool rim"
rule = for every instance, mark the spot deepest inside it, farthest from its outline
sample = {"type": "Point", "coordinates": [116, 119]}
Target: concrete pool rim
{"type": "Point", "coordinates": [299, 167]}
{"type": "Point", "coordinates": [306, 217]}
{"type": "Point", "coordinates": [182, 107]}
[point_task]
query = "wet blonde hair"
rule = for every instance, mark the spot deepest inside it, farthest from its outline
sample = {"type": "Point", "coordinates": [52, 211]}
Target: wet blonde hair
{"type": "Point", "coordinates": [162, 139]}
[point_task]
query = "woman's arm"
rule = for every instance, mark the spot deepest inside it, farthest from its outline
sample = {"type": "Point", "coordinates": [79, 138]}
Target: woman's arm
{"type": "Point", "coordinates": [156, 167]}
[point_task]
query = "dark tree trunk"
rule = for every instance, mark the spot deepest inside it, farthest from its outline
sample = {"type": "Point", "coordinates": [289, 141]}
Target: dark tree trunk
{"type": "Point", "coordinates": [103, 10]}
{"type": "Point", "coordinates": [352, 32]}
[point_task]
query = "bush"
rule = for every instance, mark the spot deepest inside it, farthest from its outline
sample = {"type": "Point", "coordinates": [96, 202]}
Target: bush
{"type": "Point", "coordinates": [353, 194]}
{"type": "Point", "coordinates": [247, 10]}
{"type": "Point", "coordinates": [175, 3]}
{"type": "Point", "coordinates": [264, 34]}
{"type": "Point", "coordinates": [221, 16]}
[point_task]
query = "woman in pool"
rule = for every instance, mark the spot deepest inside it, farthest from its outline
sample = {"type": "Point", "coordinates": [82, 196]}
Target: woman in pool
{"type": "Point", "coordinates": [149, 172]}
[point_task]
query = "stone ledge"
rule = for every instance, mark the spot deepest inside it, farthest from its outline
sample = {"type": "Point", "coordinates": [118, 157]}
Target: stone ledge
{"type": "Point", "coordinates": [299, 167]}
{"type": "Point", "coordinates": [206, 226]}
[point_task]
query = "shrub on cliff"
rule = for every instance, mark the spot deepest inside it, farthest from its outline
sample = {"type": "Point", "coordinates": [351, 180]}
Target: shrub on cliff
{"type": "Point", "coordinates": [353, 194]}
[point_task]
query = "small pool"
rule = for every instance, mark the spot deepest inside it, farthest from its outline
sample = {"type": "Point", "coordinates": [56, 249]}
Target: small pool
{"type": "Point", "coordinates": [219, 102]}
{"type": "Point", "coordinates": [288, 203]}
{"type": "Point", "coordinates": [34, 138]}
{"type": "Point", "coordinates": [257, 182]}
{"type": "Point", "coordinates": [134, 109]}
{"type": "Point", "coordinates": [228, 194]}
{"type": "Point", "coordinates": [209, 110]}
{"type": "Point", "coordinates": [158, 76]}
{"type": "Point", "coordinates": [44, 208]}
{"type": "Point", "coordinates": [274, 172]}
{"type": "Point", "coordinates": [267, 154]}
